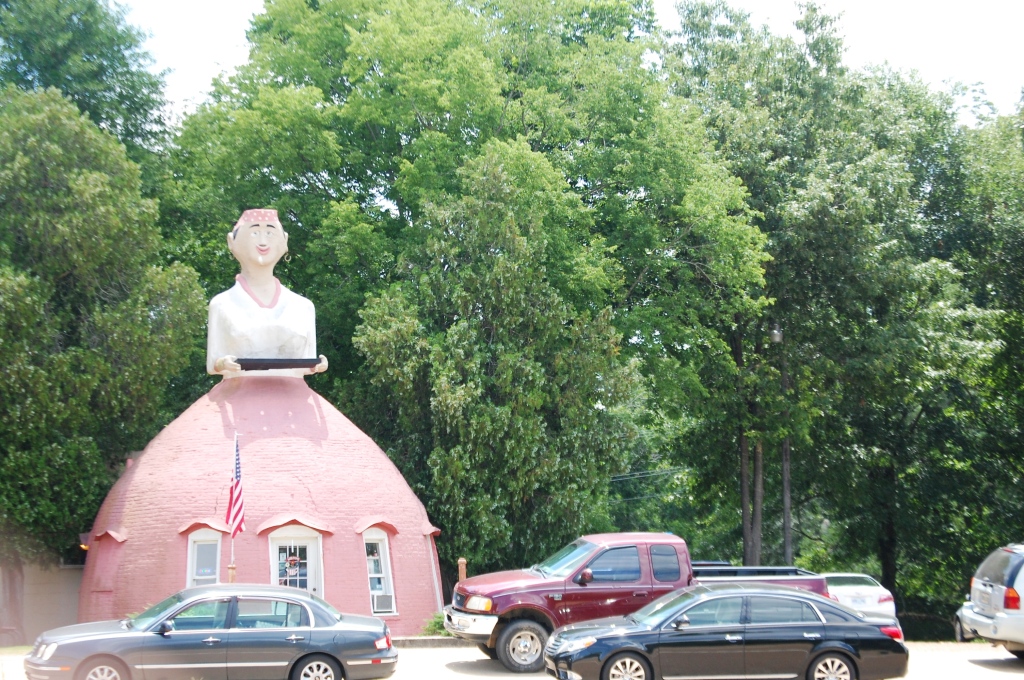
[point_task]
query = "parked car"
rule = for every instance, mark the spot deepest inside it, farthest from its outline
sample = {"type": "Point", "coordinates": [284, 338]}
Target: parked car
{"type": "Point", "coordinates": [510, 614]}
{"type": "Point", "coordinates": [731, 630]}
{"type": "Point", "coordinates": [221, 632]}
{"type": "Point", "coordinates": [861, 592]}
{"type": "Point", "coordinates": [993, 611]}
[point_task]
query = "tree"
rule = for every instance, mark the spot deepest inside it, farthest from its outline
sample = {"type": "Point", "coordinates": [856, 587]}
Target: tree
{"type": "Point", "coordinates": [511, 404]}
{"type": "Point", "coordinates": [91, 327]}
{"type": "Point", "coordinates": [84, 49]}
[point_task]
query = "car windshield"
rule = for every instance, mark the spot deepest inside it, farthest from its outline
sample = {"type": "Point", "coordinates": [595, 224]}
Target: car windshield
{"type": "Point", "coordinates": [862, 581]}
{"type": "Point", "coordinates": [656, 612]}
{"type": "Point", "coordinates": [146, 618]}
{"type": "Point", "coordinates": [566, 560]}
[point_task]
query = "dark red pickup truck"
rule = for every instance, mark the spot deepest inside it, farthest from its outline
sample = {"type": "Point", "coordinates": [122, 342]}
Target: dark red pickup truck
{"type": "Point", "coordinates": [510, 614]}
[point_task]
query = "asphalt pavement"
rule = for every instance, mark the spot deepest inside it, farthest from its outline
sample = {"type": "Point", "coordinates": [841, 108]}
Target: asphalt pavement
{"type": "Point", "coordinates": [928, 661]}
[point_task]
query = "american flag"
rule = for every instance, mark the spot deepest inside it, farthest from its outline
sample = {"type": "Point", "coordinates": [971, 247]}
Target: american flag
{"type": "Point", "coordinates": [236, 503]}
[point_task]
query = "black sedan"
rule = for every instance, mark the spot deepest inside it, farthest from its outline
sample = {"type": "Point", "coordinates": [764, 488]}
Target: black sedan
{"type": "Point", "coordinates": [221, 632]}
{"type": "Point", "coordinates": [731, 630]}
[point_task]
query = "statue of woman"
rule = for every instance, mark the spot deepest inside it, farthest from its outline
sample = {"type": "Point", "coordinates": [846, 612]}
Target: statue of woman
{"type": "Point", "coordinates": [258, 318]}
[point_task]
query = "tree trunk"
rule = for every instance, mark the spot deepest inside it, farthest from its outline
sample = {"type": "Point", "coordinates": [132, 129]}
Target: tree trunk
{"type": "Point", "coordinates": [13, 587]}
{"type": "Point", "coordinates": [745, 497]}
{"type": "Point", "coordinates": [787, 508]}
{"type": "Point", "coordinates": [887, 543]}
{"type": "Point", "coordinates": [758, 514]}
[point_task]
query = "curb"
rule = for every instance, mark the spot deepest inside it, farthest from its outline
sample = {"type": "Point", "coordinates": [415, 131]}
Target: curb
{"type": "Point", "coordinates": [430, 641]}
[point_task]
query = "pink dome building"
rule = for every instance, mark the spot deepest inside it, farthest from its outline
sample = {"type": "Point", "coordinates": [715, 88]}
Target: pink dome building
{"type": "Point", "coordinates": [325, 510]}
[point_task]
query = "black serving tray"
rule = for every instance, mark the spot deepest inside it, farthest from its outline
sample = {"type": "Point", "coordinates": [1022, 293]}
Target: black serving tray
{"type": "Point", "coordinates": [267, 364]}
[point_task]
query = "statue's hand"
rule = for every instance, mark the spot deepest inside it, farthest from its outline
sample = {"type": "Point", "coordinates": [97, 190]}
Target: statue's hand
{"type": "Point", "coordinates": [226, 363]}
{"type": "Point", "coordinates": [321, 367]}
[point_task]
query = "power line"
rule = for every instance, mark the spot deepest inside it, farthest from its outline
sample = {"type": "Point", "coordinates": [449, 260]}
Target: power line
{"type": "Point", "coordinates": [641, 474]}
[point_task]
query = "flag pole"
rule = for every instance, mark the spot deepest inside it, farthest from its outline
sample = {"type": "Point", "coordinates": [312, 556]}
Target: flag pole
{"type": "Point", "coordinates": [236, 508]}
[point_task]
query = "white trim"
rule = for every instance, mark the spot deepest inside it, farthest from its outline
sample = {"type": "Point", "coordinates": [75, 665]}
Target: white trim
{"type": "Point", "coordinates": [203, 535]}
{"type": "Point", "coordinates": [380, 537]}
{"type": "Point", "coordinates": [298, 533]}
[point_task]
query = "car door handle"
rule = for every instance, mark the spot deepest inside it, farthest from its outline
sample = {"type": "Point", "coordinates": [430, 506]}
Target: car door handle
{"type": "Point", "coordinates": [639, 593]}
{"type": "Point", "coordinates": [812, 636]}
{"type": "Point", "coordinates": [211, 641]}
{"type": "Point", "coordinates": [733, 638]}
{"type": "Point", "coordinates": [294, 638]}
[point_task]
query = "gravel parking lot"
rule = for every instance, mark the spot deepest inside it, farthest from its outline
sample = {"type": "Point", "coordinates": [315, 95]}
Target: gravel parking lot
{"type": "Point", "coordinates": [928, 661]}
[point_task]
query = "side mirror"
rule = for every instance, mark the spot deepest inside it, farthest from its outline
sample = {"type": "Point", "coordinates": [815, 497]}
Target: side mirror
{"type": "Point", "coordinates": [682, 622]}
{"type": "Point", "coordinates": [166, 627]}
{"type": "Point", "coordinates": [585, 577]}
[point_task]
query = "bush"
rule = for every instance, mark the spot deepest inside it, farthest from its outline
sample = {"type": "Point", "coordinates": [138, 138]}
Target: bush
{"type": "Point", "coordinates": [435, 626]}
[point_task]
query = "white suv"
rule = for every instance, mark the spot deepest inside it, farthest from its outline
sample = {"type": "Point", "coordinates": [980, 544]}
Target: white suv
{"type": "Point", "coordinates": [994, 610]}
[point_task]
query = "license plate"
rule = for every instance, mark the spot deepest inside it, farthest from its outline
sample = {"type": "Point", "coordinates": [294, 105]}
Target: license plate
{"type": "Point", "coordinates": [858, 601]}
{"type": "Point", "coordinates": [984, 597]}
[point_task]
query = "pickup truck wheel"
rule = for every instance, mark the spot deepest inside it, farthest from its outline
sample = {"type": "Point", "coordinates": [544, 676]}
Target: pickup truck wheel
{"type": "Point", "coordinates": [521, 646]}
{"type": "Point", "coordinates": [490, 652]}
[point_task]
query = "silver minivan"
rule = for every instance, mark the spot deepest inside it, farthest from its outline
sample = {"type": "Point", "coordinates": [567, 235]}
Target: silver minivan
{"type": "Point", "coordinates": [994, 611]}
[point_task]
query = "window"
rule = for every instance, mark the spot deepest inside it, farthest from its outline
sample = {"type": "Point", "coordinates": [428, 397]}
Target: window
{"type": "Point", "coordinates": [205, 615]}
{"type": "Point", "coordinates": [259, 613]}
{"type": "Point", "coordinates": [203, 557]}
{"type": "Point", "coordinates": [723, 611]}
{"type": "Point", "coordinates": [617, 564]}
{"type": "Point", "coordinates": [295, 558]}
{"type": "Point", "coordinates": [780, 610]}
{"type": "Point", "coordinates": [665, 563]}
{"type": "Point", "coordinates": [378, 568]}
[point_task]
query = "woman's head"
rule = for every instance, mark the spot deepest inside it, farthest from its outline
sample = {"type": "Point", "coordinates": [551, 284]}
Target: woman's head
{"type": "Point", "coordinates": [258, 239]}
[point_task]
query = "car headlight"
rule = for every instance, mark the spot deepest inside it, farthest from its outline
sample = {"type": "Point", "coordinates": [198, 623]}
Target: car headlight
{"type": "Point", "coordinates": [577, 645]}
{"type": "Point", "coordinates": [48, 651]}
{"type": "Point", "coordinates": [479, 603]}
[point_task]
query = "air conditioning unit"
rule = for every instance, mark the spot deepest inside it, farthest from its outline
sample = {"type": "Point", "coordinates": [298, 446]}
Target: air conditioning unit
{"type": "Point", "coordinates": [383, 604]}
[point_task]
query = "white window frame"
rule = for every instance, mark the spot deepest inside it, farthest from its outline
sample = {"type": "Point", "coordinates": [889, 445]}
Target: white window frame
{"type": "Point", "coordinates": [299, 533]}
{"type": "Point", "coordinates": [204, 536]}
{"type": "Point", "coordinates": [379, 536]}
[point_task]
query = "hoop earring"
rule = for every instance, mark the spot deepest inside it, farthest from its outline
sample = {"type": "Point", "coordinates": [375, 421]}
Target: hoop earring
{"type": "Point", "coordinates": [287, 257]}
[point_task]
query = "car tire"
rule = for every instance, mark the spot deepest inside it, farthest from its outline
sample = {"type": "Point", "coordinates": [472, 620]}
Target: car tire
{"type": "Point", "coordinates": [490, 652]}
{"type": "Point", "coordinates": [627, 666]}
{"type": "Point", "coordinates": [103, 669]}
{"type": "Point", "coordinates": [521, 646]}
{"type": "Point", "coordinates": [316, 667]}
{"type": "Point", "coordinates": [958, 630]}
{"type": "Point", "coordinates": [832, 667]}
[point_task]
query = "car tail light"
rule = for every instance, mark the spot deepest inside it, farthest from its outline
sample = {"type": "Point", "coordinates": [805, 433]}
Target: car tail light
{"type": "Point", "coordinates": [895, 632]}
{"type": "Point", "coordinates": [384, 642]}
{"type": "Point", "coordinates": [885, 598]}
{"type": "Point", "coordinates": [1011, 600]}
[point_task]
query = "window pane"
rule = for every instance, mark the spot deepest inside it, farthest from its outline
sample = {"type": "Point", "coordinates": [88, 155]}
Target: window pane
{"type": "Point", "coordinates": [206, 562]}
{"type": "Point", "coordinates": [206, 615]}
{"type": "Point", "coordinates": [617, 564]}
{"type": "Point", "coordinates": [665, 562]}
{"type": "Point", "coordinates": [292, 567]}
{"type": "Point", "coordinates": [780, 610]}
{"type": "Point", "coordinates": [724, 611]}
{"type": "Point", "coordinates": [270, 614]}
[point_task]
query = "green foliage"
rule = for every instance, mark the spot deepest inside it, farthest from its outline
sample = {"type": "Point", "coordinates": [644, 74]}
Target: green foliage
{"type": "Point", "coordinates": [91, 323]}
{"type": "Point", "coordinates": [435, 626]}
{"type": "Point", "coordinates": [515, 397]}
{"type": "Point", "coordinates": [84, 49]}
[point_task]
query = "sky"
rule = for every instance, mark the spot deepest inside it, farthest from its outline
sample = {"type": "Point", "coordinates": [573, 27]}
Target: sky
{"type": "Point", "coordinates": [945, 41]}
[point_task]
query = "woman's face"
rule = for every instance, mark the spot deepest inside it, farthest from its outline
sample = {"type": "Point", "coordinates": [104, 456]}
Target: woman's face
{"type": "Point", "coordinates": [258, 244]}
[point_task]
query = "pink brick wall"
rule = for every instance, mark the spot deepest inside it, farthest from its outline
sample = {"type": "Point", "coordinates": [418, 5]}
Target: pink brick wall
{"type": "Point", "coordinates": [301, 457]}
